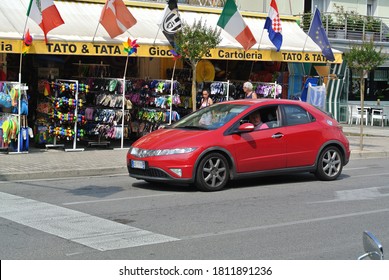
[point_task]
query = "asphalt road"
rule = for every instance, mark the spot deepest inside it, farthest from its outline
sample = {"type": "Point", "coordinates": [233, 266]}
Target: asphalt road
{"type": "Point", "coordinates": [275, 218]}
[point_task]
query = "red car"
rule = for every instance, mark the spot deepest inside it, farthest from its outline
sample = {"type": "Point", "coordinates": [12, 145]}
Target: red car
{"type": "Point", "coordinates": [219, 143]}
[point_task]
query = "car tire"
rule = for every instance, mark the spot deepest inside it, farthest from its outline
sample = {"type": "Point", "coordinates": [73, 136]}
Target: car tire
{"type": "Point", "coordinates": [212, 173]}
{"type": "Point", "coordinates": [330, 164]}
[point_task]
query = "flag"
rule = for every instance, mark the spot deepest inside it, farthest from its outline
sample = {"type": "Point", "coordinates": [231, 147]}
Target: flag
{"type": "Point", "coordinates": [27, 42]}
{"type": "Point", "coordinates": [171, 21]}
{"type": "Point", "coordinates": [273, 25]}
{"type": "Point", "coordinates": [116, 18]}
{"type": "Point", "coordinates": [232, 22]}
{"type": "Point", "coordinates": [45, 14]}
{"type": "Point", "coordinates": [319, 36]}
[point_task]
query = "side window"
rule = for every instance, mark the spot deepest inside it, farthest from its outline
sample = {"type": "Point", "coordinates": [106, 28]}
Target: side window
{"type": "Point", "coordinates": [297, 115]}
{"type": "Point", "coordinates": [267, 117]}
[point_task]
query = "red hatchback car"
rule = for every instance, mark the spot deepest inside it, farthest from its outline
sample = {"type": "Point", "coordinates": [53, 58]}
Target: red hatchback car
{"type": "Point", "coordinates": [220, 143]}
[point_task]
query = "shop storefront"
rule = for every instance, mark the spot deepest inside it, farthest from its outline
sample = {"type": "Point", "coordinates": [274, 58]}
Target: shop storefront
{"type": "Point", "coordinates": [80, 51]}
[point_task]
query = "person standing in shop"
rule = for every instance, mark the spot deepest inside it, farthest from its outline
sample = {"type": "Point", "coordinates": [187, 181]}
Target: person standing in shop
{"type": "Point", "coordinates": [206, 100]}
{"type": "Point", "coordinates": [248, 90]}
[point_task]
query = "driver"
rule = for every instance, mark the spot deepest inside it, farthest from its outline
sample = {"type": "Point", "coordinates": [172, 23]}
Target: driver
{"type": "Point", "coordinates": [255, 119]}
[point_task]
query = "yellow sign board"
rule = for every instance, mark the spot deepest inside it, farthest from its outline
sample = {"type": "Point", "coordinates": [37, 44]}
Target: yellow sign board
{"type": "Point", "coordinates": [108, 49]}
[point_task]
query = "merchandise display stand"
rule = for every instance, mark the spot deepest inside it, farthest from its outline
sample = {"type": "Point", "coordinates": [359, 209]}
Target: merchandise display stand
{"type": "Point", "coordinates": [99, 143]}
{"type": "Point", "coordinates": [74, 149]}
{"type": "Point", "coordinates": [70, 104]}
{"type": "Point", "coordinates": [55, 145]}
{"type": "Point", "coordinates": [123, 104]}
{"type": "Point", "coordinates": [105, 112]}
{"type": "Point", "coordinates": [18, 89]}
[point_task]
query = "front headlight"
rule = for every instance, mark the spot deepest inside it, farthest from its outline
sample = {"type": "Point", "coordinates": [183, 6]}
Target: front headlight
{"type": "Point", "coordinates": [141, 153]}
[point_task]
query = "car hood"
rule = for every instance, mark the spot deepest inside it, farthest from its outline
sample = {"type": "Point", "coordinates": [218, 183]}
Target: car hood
{"type": "Point", "coordinates": [172, 138]}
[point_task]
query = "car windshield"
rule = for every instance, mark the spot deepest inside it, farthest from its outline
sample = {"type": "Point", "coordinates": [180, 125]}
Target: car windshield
{"type": "Point", "coordinates": [211, 117]}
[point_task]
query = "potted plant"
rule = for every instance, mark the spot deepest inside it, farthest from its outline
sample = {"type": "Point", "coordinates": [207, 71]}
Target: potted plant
{"type": "Point", "coordinates": [372, 26]}
{"type": "Point", "coordinates": [339, 21]}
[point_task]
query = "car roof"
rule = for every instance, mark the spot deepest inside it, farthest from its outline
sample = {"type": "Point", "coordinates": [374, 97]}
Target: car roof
{"type": "Point", "coordinates": [264, 101]}
{"type": "Point", "coordinates": [272, 101]}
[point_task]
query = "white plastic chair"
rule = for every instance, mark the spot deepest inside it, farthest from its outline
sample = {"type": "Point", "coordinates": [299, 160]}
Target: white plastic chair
{"type": "Point", "coordinates": [356, 114]}
{"type": "Point", "coordinates": [378, 114]}
{"type": "Point", "coordinates": [352, 113]}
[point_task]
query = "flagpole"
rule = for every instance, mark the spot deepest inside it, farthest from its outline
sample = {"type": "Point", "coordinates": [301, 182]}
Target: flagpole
{"type": "Point", "coordinates": [20, 80]}
{"type": "Point", "coordinates": [156, 35]}
{"type": "Point", "coordinates": [260, 39]}
{"type": "Point", "coordinates": [124, 97]}
{"type": "Point", "coordinates": [21, 51]}
{"type": "Point", "coordinates": [171, 93]}
{"type": "Point", "coordinates": [93, 40]}
{"type": "Point", "coordinates": [309, 30]}
{"type": "Point", "coordinates": [160, 23]}
{"type": "Point", "coordinates": [290, 7]}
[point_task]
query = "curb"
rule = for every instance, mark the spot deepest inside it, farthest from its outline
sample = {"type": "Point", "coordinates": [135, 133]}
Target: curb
{"type": "Point", "coordinates": [356, 154]}
{"type": "Point", "coordinates": [63, 174]}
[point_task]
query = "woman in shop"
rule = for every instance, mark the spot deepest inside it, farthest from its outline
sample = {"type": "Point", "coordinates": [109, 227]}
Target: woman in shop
{"type": "Point", "coordinates": [248, 90]}
{"type": "Point", "coordinates": [206, 100]}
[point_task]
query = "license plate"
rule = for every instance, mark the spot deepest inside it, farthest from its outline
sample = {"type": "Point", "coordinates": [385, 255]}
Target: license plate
{"type": "Point", "coordinates": [139, 164]}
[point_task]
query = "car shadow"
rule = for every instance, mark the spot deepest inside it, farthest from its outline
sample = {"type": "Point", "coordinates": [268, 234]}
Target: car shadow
{"type": "Point", "coordinates": [164, 187]}
{"type": "Point", "coordinates": [279, 180]}
{"type": "Point", "coordinates": [235, 184]}
{"type": "Point", "coordinates": [95, 191]}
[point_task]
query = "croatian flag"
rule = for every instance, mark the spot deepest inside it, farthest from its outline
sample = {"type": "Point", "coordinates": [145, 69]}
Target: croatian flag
{"type": "Point", "coordinates": [273, 25]}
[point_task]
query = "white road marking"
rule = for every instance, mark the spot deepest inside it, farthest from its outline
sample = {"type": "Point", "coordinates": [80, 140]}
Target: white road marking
{"type": "Point", "coordinates": [358, 194]}
{"type": "Point", "coordinates": [293, 223]}
{"type": "Point", "coordinates": [369, 175]}
{"type": "Point", "coordinates": [85, 229]}
{"type": "Point", "coordinates": [116, 199]}
{"type": "Point", "coordinates": [65, 178]}
{"type": "Point", "coordinates": [355, 168]}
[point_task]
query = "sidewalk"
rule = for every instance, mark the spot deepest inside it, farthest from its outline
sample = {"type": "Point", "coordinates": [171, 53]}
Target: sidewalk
{"type": "Point", "coordinates": [56, 163]}
{"type": "Point", "coordinates": [375, 141]}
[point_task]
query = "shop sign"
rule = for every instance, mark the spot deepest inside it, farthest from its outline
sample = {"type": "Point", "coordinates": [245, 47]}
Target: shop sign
{"type": "Point", "coordinates": [106, 49]}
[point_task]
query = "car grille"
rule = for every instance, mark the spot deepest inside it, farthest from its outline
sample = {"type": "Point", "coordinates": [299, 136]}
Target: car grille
{"type": "Point", "coordinates": [150, 172]}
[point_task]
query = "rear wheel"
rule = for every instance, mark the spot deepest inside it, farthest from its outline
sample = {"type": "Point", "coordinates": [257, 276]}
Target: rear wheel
{"type": "Point", "coordinates": [212, 173]}
{"type": "Point", "coordinates": [330, 164]}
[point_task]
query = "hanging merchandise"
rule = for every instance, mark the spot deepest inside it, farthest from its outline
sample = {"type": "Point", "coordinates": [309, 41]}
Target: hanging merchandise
{"type": "Point", "coordinates": [67, 114]}
{"type": "Point", "coordinates": [317, 96]}
{"type": "Point", "coordinates": [5, 97]}
{"type": "Point", "coordinates": [13, 117]}
{"type": "Point", "coordinates": [268, 90]}
{"type": "Point", "coordinates": [104, 111]}
{"type": "Point", "coordinates": [220, 91]}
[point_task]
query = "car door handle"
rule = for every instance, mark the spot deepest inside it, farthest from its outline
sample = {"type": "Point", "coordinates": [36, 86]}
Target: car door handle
{"type": "Point", "coordinates": [277, 135]}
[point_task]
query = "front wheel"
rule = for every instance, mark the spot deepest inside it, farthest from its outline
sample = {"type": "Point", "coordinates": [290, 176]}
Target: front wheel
{"type": "Point", "coordinates": [330, 164]}
{"type": "Point", "coordinates": [212, 173]}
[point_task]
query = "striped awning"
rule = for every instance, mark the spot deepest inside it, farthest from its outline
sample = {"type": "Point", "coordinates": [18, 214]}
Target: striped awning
{"type": "Point", "coordinates": [334, 91]}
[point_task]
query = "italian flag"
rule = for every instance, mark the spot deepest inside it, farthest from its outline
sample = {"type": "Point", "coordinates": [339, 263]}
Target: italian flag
{"type": "Point", "coordinates": [232, 22]}
{"type": "Point", "coordinates": [45, 14]}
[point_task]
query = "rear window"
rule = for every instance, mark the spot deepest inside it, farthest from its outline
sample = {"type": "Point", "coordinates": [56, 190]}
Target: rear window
{"type": "Point", "coordinates": [297, 115]}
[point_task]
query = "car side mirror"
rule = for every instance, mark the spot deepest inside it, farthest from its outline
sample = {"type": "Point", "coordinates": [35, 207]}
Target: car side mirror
{"type": "Point", "coordinates": [246, 127]}
{"type": "Point", "coordinates": [372, 246]}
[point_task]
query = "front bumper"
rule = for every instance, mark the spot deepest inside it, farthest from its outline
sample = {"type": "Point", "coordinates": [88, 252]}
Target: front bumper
{"type": "Point", "coordinates": [156, 175]}
{"type": "Point", "coordinates": [158, 169]}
